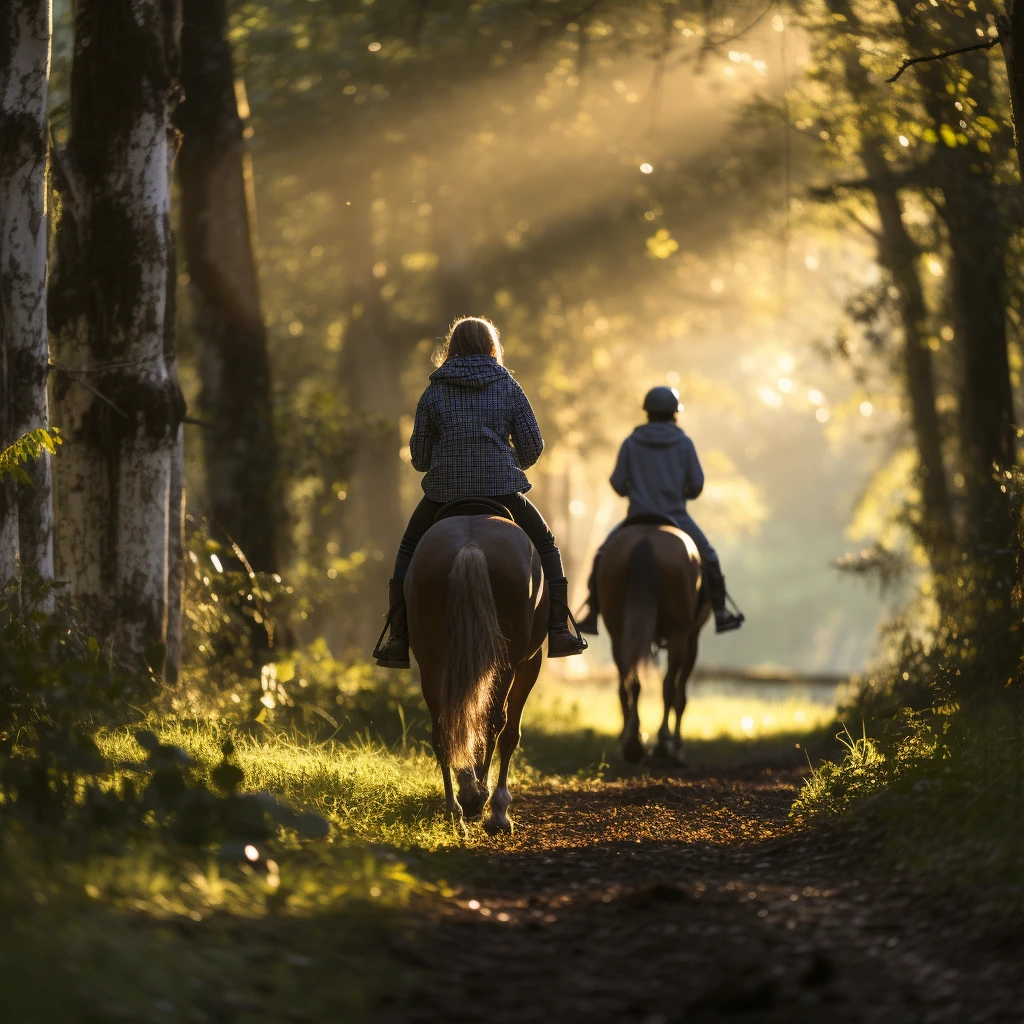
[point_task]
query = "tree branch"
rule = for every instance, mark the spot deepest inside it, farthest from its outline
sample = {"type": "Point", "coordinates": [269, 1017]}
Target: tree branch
{"type": "Point", "coordinates": [889, 182]}
{"type": "Point", "coordinates": [987, 45]}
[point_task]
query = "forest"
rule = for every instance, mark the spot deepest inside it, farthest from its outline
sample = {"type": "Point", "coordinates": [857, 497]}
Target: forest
{"type": "Point", "coordinates": [234, 236]}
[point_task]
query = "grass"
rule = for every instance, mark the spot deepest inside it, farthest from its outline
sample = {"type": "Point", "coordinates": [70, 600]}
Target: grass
{"type": "Point", "coordinates": [945, 790]}
{"type": "Point", "coordinates": [157, 933]}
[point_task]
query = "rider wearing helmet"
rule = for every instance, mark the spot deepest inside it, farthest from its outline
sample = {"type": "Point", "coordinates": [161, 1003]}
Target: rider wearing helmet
{"type": "Point", "coordinates": [473, 436]}
{"type": "Point", "coordinates": [658, 471]}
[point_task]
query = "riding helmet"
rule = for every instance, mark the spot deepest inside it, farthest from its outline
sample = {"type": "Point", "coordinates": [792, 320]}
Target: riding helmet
{"type": "Point", "coordinates": [661, 400]}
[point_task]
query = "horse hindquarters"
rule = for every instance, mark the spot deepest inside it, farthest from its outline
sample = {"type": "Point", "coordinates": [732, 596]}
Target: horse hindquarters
{"type": "Point", "coordinates": [476, 653]}
{"type": "Point", "coordinates": [635, 645]}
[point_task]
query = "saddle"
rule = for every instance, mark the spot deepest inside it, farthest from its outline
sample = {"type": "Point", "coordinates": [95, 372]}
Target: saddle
{"type": "Point", "coordinates": [648, 519]}
{"type": "Point", "coordinates": [473, 507]}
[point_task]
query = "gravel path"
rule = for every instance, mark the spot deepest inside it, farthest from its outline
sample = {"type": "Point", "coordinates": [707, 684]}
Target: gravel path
{"type": "Point", "coordinates": [664, 900]}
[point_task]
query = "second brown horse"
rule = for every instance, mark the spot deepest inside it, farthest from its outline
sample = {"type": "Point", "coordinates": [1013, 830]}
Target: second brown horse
{"type": "Point", "coordinates": [649, 586]}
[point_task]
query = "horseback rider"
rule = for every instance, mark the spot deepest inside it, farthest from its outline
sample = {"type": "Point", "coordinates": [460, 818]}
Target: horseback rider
{"type": "Point", "coordinates": [658, 470]}
{"type": "Point", "coordinates": [473, 437]}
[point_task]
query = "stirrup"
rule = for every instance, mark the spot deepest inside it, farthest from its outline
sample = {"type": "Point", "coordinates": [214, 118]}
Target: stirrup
{"type": "Point", "coordinates": [574, 631]}
{"type": "Point", "coordinates": [735, 619]}
{"type": "Point", "coordinates": [378, 647]}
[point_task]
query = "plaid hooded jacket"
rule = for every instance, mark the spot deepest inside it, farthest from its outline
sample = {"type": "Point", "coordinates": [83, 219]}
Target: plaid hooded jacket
{"type": "Point", "coordinates": [475, 432]}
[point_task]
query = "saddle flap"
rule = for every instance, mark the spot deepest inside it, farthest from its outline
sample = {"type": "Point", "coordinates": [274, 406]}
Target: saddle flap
{"type": "Point", "coordinates": [473, 507]}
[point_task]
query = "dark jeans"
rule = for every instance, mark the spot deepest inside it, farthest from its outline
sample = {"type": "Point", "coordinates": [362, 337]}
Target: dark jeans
{"type": "Point", "coordinates": [523, 512]}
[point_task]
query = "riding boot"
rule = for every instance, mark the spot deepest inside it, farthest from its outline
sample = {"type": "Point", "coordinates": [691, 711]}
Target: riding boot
{"type": "Point", "coordinates": [394, 653]}
{"type": "Point", "coordinates": [725, 620]}
{"type": "Point", "coordinates": [588, 624]}
{"type": "Point", "coordinates": [563, 641]}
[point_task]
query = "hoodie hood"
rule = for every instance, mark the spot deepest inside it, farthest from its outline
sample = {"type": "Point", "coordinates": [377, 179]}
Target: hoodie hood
{"type": "Point", "coordinates": [658, 435]}
{"type": "Point", "coordinates": [473, 372]}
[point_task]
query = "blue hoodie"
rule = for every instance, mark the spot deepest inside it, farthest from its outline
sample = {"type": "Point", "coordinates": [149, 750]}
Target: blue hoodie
{"type": "Point", "coordinates": [658, 471]}
{"type": "Point", "coordinates": [475, 432]}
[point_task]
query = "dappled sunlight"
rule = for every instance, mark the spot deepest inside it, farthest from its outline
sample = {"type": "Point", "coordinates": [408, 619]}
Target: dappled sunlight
{"type": "Point", "coordinates": [283, 272]}
{"type": "Point", "coordinates": [736, 711]}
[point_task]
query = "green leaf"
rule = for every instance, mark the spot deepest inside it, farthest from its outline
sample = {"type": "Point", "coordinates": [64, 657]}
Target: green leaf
{"type": "Point", "coordinates": [27, 448]}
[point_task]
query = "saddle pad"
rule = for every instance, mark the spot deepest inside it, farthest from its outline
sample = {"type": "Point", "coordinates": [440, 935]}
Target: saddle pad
{"type": "Point", "coordinates": [473, 507]}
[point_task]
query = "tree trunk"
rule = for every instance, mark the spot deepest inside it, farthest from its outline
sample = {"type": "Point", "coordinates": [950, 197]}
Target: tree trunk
{"type": "Point", "coordinates": [176, 493]}
{"type": "Point", "coordinates": [1011, 35]}
{"type": "Point", "coordinates": [26, 511]}
{"type": "Point", "coordinates": [977, 261]}
{"type": "Point", "coordinates": [115, 400]}
{"type": "Point", "coordinates": [239, 442]}
{"type": "Point", "coordinates": [899, 255]}
{"type": "Point", "coordinates": [451, 242]}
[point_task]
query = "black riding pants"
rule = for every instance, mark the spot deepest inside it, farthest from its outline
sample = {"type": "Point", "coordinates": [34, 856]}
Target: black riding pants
{"type": "Point", "coordinates": [525, 514]}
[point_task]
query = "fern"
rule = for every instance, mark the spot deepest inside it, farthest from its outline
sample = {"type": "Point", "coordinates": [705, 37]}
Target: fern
{"type": "Point", "coordinates": [28, 447]}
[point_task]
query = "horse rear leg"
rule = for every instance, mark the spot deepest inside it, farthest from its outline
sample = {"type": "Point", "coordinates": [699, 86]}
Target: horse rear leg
{"type": "Point", "coordinates": [431, 692]}
{"type": "Point", "coordinates": [452, 807]}
{"type": "Point", "coordinates": [671, 686]}
{"type": "Point", "coordinates": [522, 684]}
{"type": "Point", "coordinates": [630, 744]}
{"type": "Point", "coordinates": [690, 659]}
{"type": "Point", "coordinates": [473, 782]}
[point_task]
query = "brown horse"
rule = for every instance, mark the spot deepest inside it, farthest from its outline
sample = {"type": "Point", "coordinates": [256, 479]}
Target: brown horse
{"type": "Point", "coordinates": [478, 613]}
{"type": "Point", "coordinates": [648, 580]}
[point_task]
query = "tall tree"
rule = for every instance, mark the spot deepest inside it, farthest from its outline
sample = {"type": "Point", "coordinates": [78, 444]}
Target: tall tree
{"type": "Point", "coordinates": [899, 255]}
{"type": "Point", "coordinates": [239, 442]}
{"type": "Point", "coordinates": [26, 510]}
{"type": "Point", "coordinates": [115, 394]}
{"type": "Point", "coordinates": [954, 93]}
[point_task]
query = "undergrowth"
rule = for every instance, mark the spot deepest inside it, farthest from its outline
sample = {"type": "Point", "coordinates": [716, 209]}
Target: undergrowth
{"type": "Point", "coordinates": [938, 766]}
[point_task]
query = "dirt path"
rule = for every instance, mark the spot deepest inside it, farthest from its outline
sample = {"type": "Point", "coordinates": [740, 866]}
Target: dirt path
{"type": "Point", "coordinates": [689, 900]}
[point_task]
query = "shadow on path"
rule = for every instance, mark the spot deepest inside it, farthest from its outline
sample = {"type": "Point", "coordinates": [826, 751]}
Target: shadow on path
{"type": "Point", "coordinates": [676, 899]}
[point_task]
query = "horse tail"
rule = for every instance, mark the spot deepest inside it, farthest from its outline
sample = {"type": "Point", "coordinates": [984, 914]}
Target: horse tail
{"type": "Point", "coordinates": [476, 653]}
{"type": "Point", "coordinates": [641, 623]}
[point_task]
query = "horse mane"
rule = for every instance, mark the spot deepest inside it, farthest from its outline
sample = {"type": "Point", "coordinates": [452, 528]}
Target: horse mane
{"type": "Point", "coordinates": [476, 654]}
{"type": "Point", "coordinates": [640, 630]}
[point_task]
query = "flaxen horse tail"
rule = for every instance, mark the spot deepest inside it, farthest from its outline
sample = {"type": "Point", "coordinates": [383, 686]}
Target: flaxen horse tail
{"type": "Point", "coordinates": [640, 629]}
{"type": "Point", "coordinates": [476, 653]}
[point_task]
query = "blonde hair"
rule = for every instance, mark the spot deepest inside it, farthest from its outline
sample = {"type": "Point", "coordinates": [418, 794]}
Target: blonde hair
{"type": "Point", "coordinates": [471, 336]}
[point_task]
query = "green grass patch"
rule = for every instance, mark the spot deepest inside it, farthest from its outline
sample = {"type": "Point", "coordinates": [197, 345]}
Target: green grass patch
{"type": "Point", "coordinates": [945, 789]}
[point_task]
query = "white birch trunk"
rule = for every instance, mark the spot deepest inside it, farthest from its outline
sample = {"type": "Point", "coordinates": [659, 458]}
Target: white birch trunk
{"type": "Point", "coordinates": [118, 405]}
{"type": "Point", "coordinates": [26, 527]}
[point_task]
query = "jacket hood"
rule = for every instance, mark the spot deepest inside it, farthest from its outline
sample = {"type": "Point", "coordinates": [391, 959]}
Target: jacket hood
{"type": "Point", "coordinates": [475, 371]}
{"type": "Point", "coordinates": [658, 435]}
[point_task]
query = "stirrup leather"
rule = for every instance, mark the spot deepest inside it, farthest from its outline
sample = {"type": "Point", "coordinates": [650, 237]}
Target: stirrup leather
{"type": "Point", "coordinates": [575, 629]}
{"type": "Point", "coordinates": [377, 651]}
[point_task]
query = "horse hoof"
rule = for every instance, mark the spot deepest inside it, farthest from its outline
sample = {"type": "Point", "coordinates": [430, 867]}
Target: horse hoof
{"type": "Point", "coordinates": [633, 751]}
{"type": "Point", "coordinates": [473, 809]}
{"type": "Point", "coordinates": [665, 751]}
{"type": "Point", "coordinates": [495, 828]}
